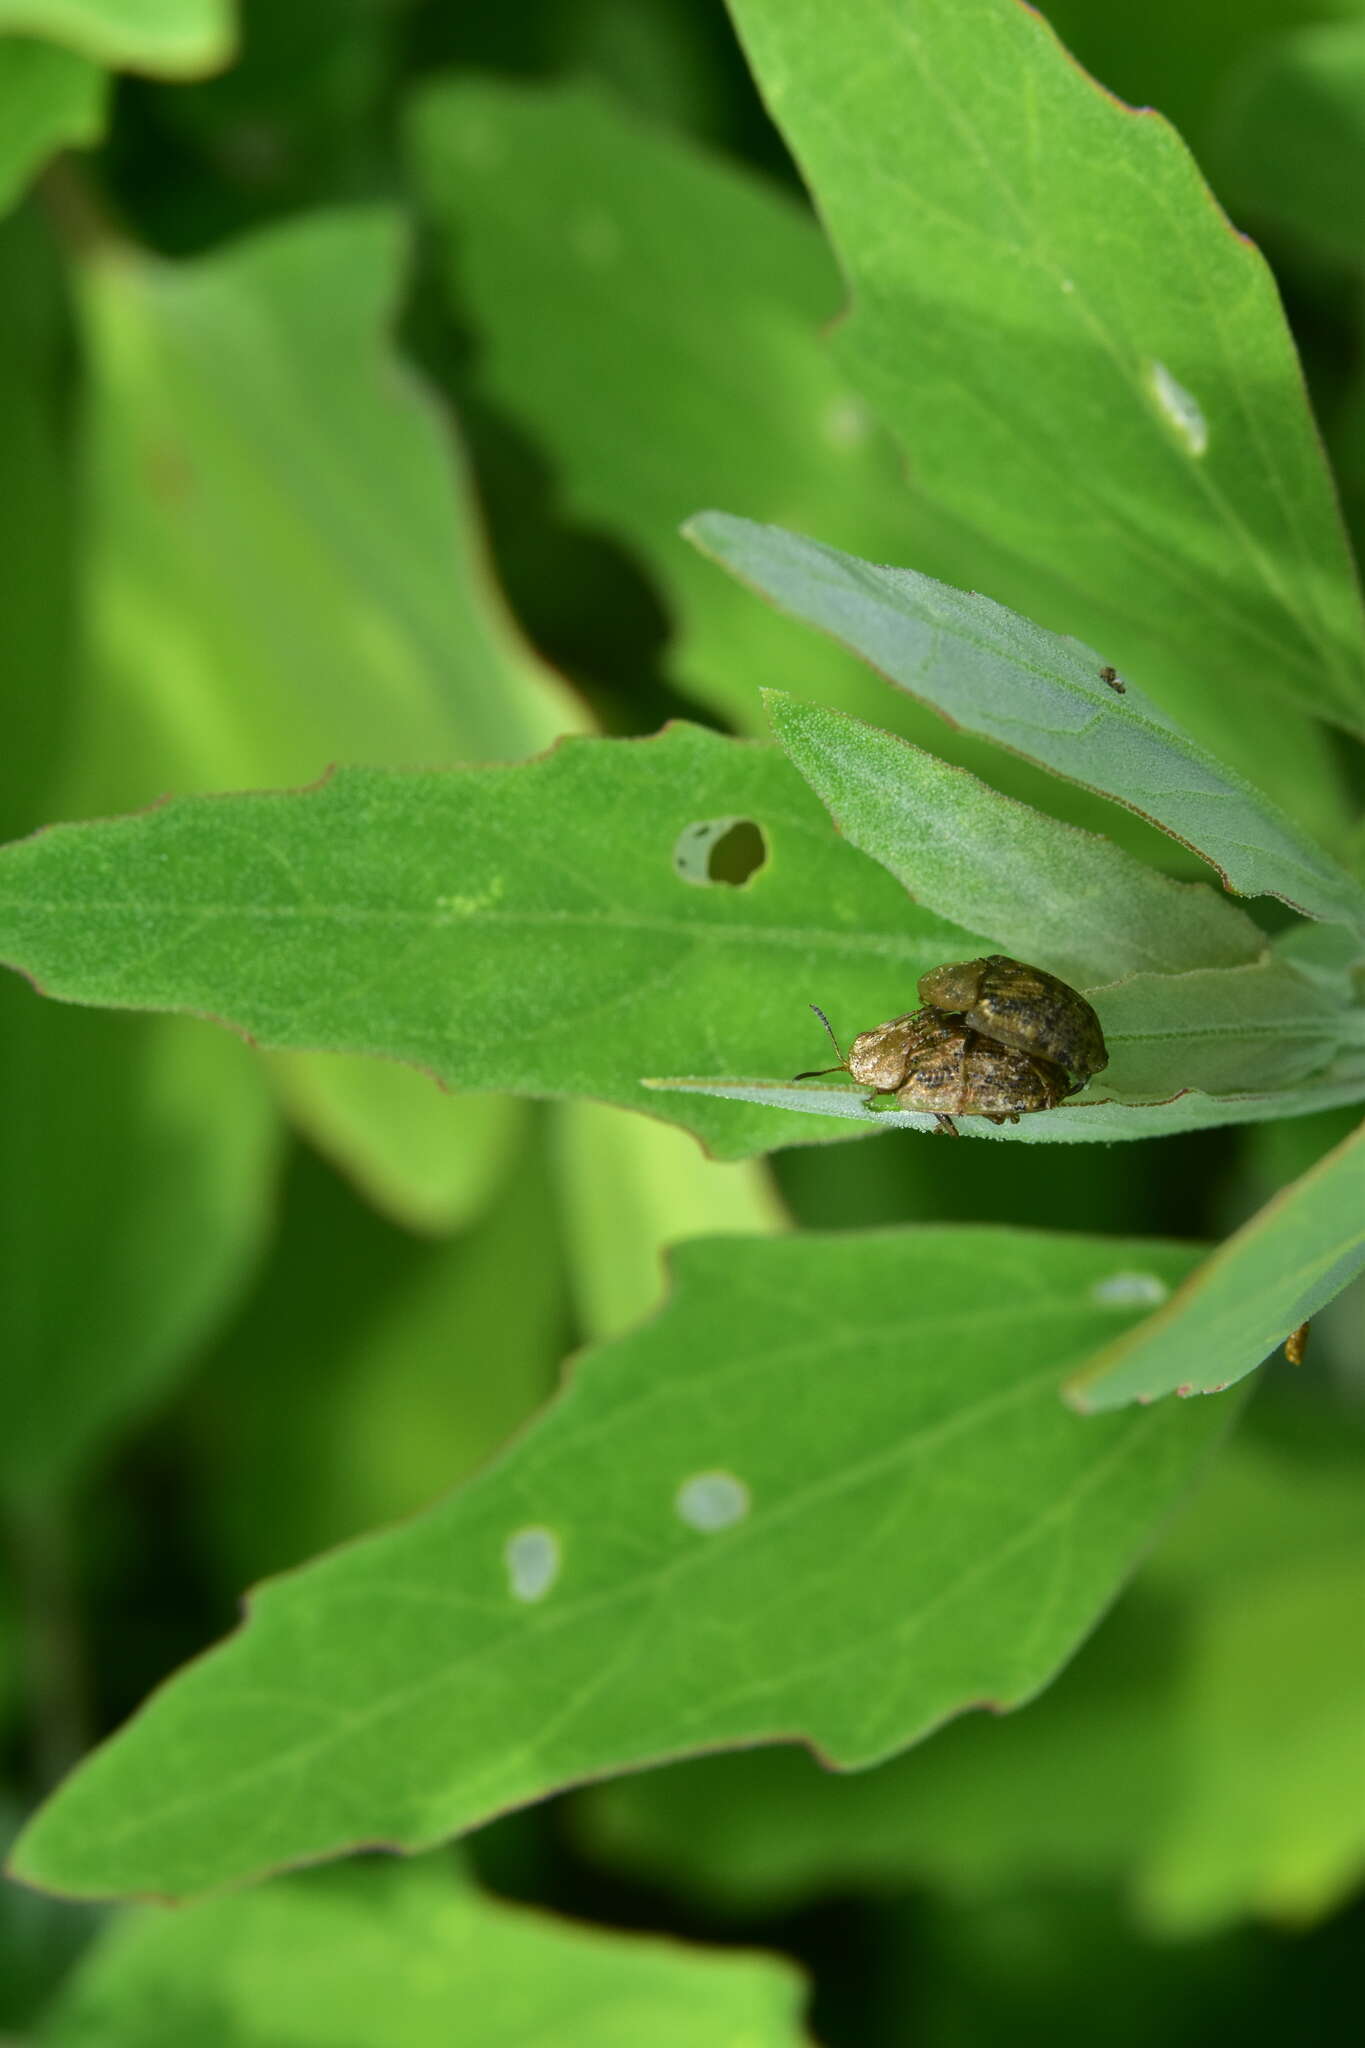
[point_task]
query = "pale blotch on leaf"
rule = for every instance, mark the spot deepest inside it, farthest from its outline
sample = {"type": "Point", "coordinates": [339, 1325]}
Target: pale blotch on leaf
{"type": "Point", "coordinates": [712, 1500]}
{"type": "Point", "coordinates": [1068, 284]}
{"type": "Point", "coordinates": [727, 850]}
{"type": "Point", "coordinates": [1130, 1290]}
{"type": "Point", "coordinates": [532, 1557]}
{"type": "Point", "coordinates": [846, 423]}
{"type": "Point", "coordinates": [1178, 408]}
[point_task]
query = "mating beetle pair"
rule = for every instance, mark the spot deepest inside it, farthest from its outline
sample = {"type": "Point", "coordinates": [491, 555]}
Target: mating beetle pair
{"type": "Point", "coordinates": [996, 1038]}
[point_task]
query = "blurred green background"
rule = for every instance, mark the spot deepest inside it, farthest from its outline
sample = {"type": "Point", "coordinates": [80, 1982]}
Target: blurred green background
{"type": "Point", "coordinates": [426, 471]}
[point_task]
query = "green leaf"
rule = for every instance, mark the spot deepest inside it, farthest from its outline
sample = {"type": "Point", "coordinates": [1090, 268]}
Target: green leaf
{"type": "Point", "coordinates": [1066, 900]}
{"type": "Point", "coordinates": [531, 928]}
{"type": "Point", "coordinates": [1289, 146]}
{"type": "Point", "coordinates": [745, 1521]}
{"type": "Point", "coordinates": [1069, 1788]}
{"type": "Point", "coordinates": [407, 1365]}
{"type": "Point", "coordinates": [1094, 1120]}
{"type": "Point", "coordinates": [407, 1956]}
{"type": "Point", "coordinates": [1041, 695]}
{"type": "Point", "coordinates": [1081, 358]}
{"type": "Point", "coordinates": [440, 1155]}
{"type": "Point", "coordinates": [611, 267]}
{"type": "Point", "coordinates": [139, 1154]}
{"type": "Point", "coordinates": [1186, 1051]}
{"type": "Point", "coordinates": [1193, 1755]}
{"type": "Point", "coordinates": [1224, 1030]}
{"type": "Point", "coordinates": [1270, 1700]}
{"type": "Point", "coordinates": [170, 38]}
{"type": "Point", "coordinates": [1276, 1272]}
{"type": "Point", "coordinates": [631, 1188]}
{"type": "Point", "coordinates": [607, 267]}
{"type": "Point", "coordinates": [49, 100]}
{"type": "Point", "coordinates": [135, 1193]}
{"type": "Point", "coordinates": [254, 618]}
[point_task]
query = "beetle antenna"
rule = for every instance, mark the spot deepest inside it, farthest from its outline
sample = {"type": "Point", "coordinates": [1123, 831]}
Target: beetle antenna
{"type": "Point", "coordinates": [816, 1072]}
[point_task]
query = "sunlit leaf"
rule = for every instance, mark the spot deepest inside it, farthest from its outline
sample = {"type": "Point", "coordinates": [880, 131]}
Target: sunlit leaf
{"type": "Point", "coordinates": [1192, 1756]}
{"type": "Point", "coordinates": [1043, 695]}
{"type": "Point", "coordinates": [551, 928]}
{"type": "Point", "coordinates": [630, 1188]}
{"type": "Point", "coordinates": [816, 1497]}
{"type": "Point", "coordinates": [172, 38]}
{"type": "Point", "coordinates": [1079, 356]}
{"type": "Point", "coordinates": [409, 1956]}
{"type": "Point", "coordinates": [285, 572]}
{"type": "Point", "coordinates": [1068, 901]}
{"type": "Point", "coordinates": [49, 100]}
{"type": "Point", "coordinates": [139, 1153]}
{"type": "Point", "coordinates": [660, 322]}
{"type": "Point", "coordinates": [1273, 1274]}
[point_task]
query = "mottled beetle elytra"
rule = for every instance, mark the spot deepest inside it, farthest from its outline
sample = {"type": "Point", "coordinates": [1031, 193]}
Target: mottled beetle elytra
{"type": "Point", "coordinates": [1021, 1006]}
{"type": "Point", "coordinates": [996, 1038]}
{"type": "Point", "coordinates": [934, 1063]}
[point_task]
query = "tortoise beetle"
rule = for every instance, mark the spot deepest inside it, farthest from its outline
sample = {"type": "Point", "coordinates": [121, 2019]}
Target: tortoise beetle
{"type": "Point", "coordinates": [1021, 1007]}
{"type": "Point", "coordinates": [929, 1061]}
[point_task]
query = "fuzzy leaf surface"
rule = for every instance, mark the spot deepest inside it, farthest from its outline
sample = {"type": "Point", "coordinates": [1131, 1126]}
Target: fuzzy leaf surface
{"type": "Point", "coordinates": [1192, 1755]}
{"type": "Point", "coordinates": [527, 928]}
{"type": "Point", "coordinates": [1042, 695]}
{"type": "Point", "coordinates": [1080, 357]}
{"type": "Point", "coordinates": [815, 1498]}
{"type": "Point", "coordinates": [1066, 900]}
{"type": "Point", "coordinates": [1279, 1269]}
{"type": "Point", "coordinates": [607, 265]}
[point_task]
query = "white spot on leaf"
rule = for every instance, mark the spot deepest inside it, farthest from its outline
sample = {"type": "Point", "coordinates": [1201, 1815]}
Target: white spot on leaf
{"type": "Point", "coordinates": [1130, 1290]}
{"type": "Point", "coordinates": [1178, 407]}
{"type": "Point", "coordinates": [846, 423]}
{"type": "Point", "coordinates": [1068, 284]}
{"type": "Point", "coordinates": [532, 1557]}
{"type": "Point", "coordinates": [712, 1500]}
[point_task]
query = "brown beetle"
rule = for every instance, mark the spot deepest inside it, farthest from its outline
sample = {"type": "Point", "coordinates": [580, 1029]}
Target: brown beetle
{"type": "Point", "coordinates": [1114, 679]}
{"type": "Point", "coordinates": [1022, 1007]}
{"type": "Point", "coordinates": [928, 1061]}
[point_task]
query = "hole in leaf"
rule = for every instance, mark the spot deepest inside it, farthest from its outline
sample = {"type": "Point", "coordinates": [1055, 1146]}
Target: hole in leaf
{"type": "Point", "coordinates": [727, 850]}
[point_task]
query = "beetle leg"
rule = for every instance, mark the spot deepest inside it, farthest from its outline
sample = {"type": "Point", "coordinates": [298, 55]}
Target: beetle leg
{"type": "Point", "coordinates": [945, 1126]}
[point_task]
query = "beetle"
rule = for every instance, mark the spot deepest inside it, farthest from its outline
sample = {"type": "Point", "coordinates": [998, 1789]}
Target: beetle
{"type": "Point", "coordinates": [1021, 1007]}
{"type": "Point", "coordinates": [929, 1061]}
{"type": "Point", "coordinates": [1114, 679]}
